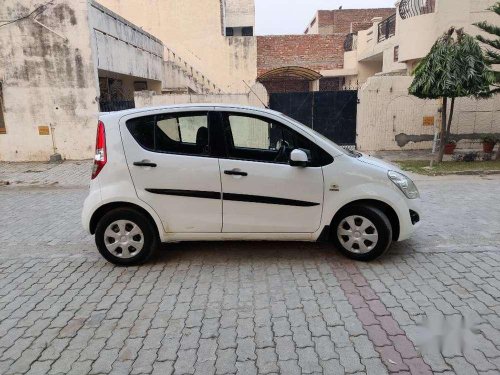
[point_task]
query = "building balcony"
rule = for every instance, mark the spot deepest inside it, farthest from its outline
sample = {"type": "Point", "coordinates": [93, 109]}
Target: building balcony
{"type": "Point", "coordinates": [413, 8]}
{"type": "Point", "coordinates": [387, 28]}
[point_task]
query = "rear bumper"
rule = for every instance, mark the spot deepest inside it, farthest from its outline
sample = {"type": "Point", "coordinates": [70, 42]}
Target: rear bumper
{"type": "Point", "coordinates": [91, 203]}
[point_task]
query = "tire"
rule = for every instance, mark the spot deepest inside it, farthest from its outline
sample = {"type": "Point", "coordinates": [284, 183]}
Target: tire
{"type": "Point", "coordinates": [372, 237]}
{"type": "Point", "coordinates": [125, 237]}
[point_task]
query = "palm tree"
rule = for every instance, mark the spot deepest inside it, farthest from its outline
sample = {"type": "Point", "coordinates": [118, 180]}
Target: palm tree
{"type": "Point", "coordinates": [455, 67]}
{"type": "Point", "coordinates": [492, 51]}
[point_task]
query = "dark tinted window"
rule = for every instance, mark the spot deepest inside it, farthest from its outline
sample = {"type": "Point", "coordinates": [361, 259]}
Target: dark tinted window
{"type": "Point", "coordinates": [181, 133]}
{"type": "Point", "coordinates": [142, 129]}
{"type": "Point", "coordinates": [247, 31]}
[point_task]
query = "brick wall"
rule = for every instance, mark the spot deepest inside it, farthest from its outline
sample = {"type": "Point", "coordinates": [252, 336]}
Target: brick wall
{"type": "Point", "coordinates": [325, 22]}
{"type": "Point", "coordinates": [339, 21]}
{"type": "Point", "coordinates": [331, 83]}
{"type": "Point", "coordinates": [316, 52]}
{"type": "Point", "coordinates": [322, 51]}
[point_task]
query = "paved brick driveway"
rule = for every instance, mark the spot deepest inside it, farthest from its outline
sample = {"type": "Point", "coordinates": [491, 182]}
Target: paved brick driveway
{"type": "Point", "coordinates": [252, 307]}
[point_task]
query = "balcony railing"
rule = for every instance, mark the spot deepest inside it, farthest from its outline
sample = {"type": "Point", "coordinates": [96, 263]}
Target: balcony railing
{"type": "Point", "coordinates": [387, 28]}
{"type": "Point", "coordinates": [413, 8]}
{"type": "Point", "coordinates": [350, 42]}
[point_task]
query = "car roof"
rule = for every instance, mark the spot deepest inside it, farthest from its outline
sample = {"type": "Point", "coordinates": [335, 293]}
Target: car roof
{"type": "Point", "coordinates": [184, 107]}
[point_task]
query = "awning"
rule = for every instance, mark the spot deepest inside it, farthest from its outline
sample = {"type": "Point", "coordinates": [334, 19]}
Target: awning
{"type": "Point", "coordinates": [287, 72]}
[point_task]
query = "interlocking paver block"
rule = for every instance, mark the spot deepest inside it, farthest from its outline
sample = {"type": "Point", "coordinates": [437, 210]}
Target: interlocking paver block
{"type": "Point", "coordinates": [246, 368]}
{"type": "Point", "coordinates": [265, 307]}
{"type": "Point", "coordinates": [377, 335]}
{"type": "Point", "coordinates": [267, 361]}
{"type": "Point", "coordinates": [226, 361]}
{"type": "Point", "coordinates": [308, 360]}
{"type": "Point", "coordinates": [290, 367]}
{"type": "Point", "coordinates": [285, 348]}
{"type": "Point", "coordinates": [163, 368]}
{"type": "Point", "coordinates": [404, 346]}
{"type": "Point", "coordinates": [392, 359]}
{"type": "Point", "coordinates": [364, 347]}
{"type": "Point", "coordinates": [104, 362]}
{"type": "Point", "coordinates": [374, 366]}
{"type": "Point", "coordinates": [185, 361]}
{"type": "Point", "coordinates": [264, 337]}
{"type": "Point", "coordinates": [245, 349]}
{"type": "Point", "coordinates": [350, 360]}
{"type": "Point", "coordinates": [325, 348]}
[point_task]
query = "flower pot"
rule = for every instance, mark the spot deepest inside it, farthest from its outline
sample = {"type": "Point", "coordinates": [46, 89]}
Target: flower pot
{"type": "Point", "coordinates": [449, 148]}
{"type": "Point", "coordinates": [488, 147]}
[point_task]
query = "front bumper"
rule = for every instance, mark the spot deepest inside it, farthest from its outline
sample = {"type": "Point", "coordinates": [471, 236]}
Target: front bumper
{"type": "Point", "coordinates": [410, 220]}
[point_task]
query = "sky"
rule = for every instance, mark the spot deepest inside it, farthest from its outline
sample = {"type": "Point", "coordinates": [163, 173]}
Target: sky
{"type": "Point", "coordinates": [293, 16]}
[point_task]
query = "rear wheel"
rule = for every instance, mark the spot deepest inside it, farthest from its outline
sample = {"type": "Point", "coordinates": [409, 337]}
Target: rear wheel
{"type": "Point", "coordinates": [362, 232]}
{"type": "Point", "coordinates": [125, 236]}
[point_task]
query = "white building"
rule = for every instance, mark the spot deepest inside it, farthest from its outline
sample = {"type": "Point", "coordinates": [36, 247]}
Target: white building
{"type": "Point", "coordinates": [63, 62]}
{"type": "Point", "coordinates": [381, 59]}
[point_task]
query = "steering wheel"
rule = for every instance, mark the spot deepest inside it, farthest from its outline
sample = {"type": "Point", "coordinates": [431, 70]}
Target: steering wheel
{"type": "Point", "coordinates": [282, 147]}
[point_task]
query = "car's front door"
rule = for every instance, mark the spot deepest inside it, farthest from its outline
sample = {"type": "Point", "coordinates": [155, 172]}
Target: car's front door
{"type": "Point", "coordinates": [261, 192]}
{"type": "Point", "coordinates": [173, 170]}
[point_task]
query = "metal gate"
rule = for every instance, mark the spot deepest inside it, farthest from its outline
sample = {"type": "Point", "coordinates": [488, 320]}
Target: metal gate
{"type": "Point", "coordinates": [331, 113]}
{"type": "Point", "coordinates": [113, 95]}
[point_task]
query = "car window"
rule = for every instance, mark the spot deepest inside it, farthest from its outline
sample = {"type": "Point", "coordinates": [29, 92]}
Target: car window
{"type": "Point", "coordinates": [250, 132]}
{"type": "Point", "coordinates": [142, 129]}
{"type": "Point", "coordinates": [258, 138]}
{"type": "Point", "coordinates": [170, 127]}
{"type": "Point", "coordinates": [182, 133]}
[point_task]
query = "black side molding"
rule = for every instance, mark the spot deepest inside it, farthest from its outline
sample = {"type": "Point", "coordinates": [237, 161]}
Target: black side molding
{"type": "Point", "coordinates": [267, 200]}
{"type": "Point", "coordinates": [187, 193]}
{"type": "Point", "coordinates": [233, 197]}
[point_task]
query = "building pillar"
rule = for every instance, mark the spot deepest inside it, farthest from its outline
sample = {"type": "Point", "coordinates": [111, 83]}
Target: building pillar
{"type": "Point", "coordinates": [314, 85]}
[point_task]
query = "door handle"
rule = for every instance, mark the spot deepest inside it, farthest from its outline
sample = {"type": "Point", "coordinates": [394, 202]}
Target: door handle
{"type": "Point", "coordinates": [144, 163]}
{"type": "Point", "coordinates": [236, 173]}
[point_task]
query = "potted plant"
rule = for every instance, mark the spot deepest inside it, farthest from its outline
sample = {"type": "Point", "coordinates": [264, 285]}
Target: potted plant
{"type": "Point", "coordinates": [449, 147]}
{"type": "Point", "coordinates": [488, 143]}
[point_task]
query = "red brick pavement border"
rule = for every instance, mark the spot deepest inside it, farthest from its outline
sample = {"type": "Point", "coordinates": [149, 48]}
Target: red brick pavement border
{"type": "Point", "coordinates": [396, 351]}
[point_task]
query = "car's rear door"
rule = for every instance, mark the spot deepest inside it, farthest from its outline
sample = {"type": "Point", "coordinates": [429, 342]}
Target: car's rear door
{"type": "Point", "coordinates": [262, 193]}
{"type": "Point", "coordinates": [170, 160]}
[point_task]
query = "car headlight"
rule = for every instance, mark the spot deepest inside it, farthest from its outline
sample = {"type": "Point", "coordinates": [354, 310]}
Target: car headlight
{"type": "Point", "coordinates": [405, 184]}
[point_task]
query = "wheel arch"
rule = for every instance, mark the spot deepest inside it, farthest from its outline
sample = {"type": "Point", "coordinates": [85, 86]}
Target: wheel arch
{"type": "Point", "coordinates": [382, 206]}
{"type": "Point", "coordinates": [105, 208]}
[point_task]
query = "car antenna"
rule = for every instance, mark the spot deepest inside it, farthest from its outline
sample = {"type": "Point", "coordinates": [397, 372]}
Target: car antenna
{"type": "Point", "coordinates": [253, 92]}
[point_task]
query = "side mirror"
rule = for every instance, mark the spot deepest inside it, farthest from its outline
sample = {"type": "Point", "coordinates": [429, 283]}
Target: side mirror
{"type": "Point", "coordinates": [299, 158]}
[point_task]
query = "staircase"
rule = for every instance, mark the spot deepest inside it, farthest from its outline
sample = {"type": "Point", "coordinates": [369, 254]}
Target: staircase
{"type": "Point", "coordinates": [181, 77]}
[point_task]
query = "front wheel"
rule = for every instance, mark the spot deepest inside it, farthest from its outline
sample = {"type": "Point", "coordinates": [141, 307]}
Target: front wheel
{"type": "Point", "coordinates": [125, 237]}
{"type": "Point", "coordinates": [362, 232]}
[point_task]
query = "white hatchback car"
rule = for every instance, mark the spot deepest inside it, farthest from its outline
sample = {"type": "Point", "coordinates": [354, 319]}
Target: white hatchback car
{"type": "Point", "coordinates": [223, 172]}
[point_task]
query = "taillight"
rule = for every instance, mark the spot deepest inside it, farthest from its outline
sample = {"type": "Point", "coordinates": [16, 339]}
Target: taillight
{"type": "Point", "coordinates": [100, 157]}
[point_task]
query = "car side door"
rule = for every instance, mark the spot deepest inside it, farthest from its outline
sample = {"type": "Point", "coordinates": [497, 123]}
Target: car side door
{"type": "Point", "coordinates": [170, 159]}
{"type": "Point", "coordinates": [262, 192]}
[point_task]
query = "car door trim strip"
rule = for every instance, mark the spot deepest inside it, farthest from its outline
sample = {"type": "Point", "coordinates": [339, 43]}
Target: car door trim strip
{"type": "Point", "coordinates": [233, 197]}
{"type": "Point", "coordinates": [187, 193]}
{"type": "Point", "coordinates": [267, 200]}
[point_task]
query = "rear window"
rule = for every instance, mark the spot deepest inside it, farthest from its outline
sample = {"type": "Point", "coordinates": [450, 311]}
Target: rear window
{"type": "Point", "coordinates": [142, 129]}
{"type": "Point", "coordinates": [180, 133]}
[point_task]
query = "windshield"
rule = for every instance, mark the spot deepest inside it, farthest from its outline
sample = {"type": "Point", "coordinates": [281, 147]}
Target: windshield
{"type": "Point", "coordinates": [322, 137]}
